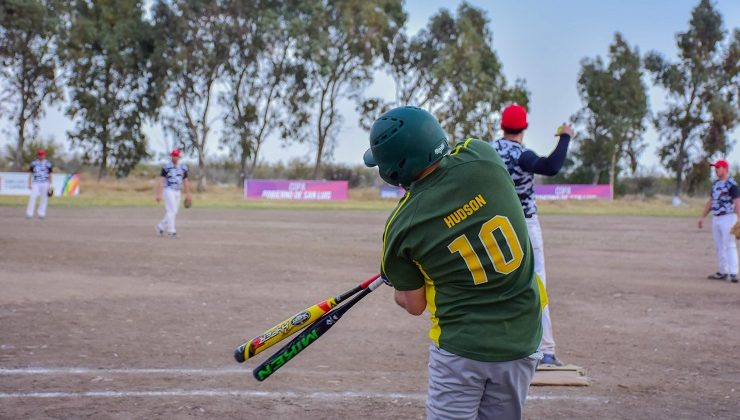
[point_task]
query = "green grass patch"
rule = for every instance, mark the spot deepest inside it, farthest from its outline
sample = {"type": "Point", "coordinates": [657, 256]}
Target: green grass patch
{"type": "Point", "coordinates": [140, 193]}
{"type": "Point", "coordinates": [626, 206]}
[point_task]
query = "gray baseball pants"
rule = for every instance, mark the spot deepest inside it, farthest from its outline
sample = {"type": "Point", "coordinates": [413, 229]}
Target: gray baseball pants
{"type": "Point", "coordinates": [461, 388]}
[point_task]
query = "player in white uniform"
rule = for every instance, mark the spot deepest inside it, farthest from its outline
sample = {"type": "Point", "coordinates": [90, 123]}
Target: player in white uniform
{"type": "Point", "coordinates": [39, 182]}
{"type": "Point", "coordinates": [724, 203]}
{"type": "Point", "coordinates": [173, 176]}
{"type": "Point", "coordinates": [523, 164]}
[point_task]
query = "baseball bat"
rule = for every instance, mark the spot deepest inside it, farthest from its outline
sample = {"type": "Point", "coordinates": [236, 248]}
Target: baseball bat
{"type": "Point", "coordinates": [308, 336]}
{"type": "Point", "coordinates": [294, 324]}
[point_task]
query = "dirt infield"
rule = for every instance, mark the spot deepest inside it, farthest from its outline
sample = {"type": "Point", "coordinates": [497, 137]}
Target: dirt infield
{"type": "Point", "coordinates": [100, 318]}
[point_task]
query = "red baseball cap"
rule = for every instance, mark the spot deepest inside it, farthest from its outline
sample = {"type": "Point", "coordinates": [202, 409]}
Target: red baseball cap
{"type": "Point", "coordinates": [514, 117]}
{"type": "Point", "coordinates": [41, 152]}
{"type": "Point", "coordinates": [720, 164]}
{"type": "Point", "coordinates": [175, 153]}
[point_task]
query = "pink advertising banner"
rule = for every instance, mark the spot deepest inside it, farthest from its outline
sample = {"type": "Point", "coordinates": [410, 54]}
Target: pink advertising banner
{"type": "Point", "coordinates": [281, 189]}
{"type": "Point", "coordinates": [573, 192]}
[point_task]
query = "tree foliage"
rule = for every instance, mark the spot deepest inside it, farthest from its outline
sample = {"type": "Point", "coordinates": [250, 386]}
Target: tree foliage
{"type": "Point", "coordinates": [28, 65]}
{"type": "Point", "coordinates": [702, 89]}
{"type": "Point", "coordinates": [108, 50]}
{"type": "Point", "coordinates": [192, 52]}
{"type": "Point", "coordinates": [263, 81]}
{"type": "Point", "coordinates": [614, 109]}
{"type": "Point", "coordinates": [450, 68]}
{"type": "Point", "coordinates": [339, 45]}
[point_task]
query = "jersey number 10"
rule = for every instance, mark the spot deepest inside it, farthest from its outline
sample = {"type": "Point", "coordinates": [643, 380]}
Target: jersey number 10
{"type": "Point", "coordinates": [501, 265]}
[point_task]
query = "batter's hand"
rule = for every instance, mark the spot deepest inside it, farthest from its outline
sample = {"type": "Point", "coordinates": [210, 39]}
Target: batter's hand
{"type": "Point", "coordinates": [700, 223]}
{"type": "Point", "coordinates": [158, 197]}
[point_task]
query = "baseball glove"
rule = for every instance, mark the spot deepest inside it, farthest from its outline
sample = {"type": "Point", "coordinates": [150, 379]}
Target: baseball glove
{"type": "Point", "coordinates": [50, 192]}
{"type": "Point", "coordinates": [736, 230]}
{"type": "Point", "coordinates": [188, 203]}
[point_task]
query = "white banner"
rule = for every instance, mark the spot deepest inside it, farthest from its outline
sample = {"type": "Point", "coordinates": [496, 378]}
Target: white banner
{"type": "Point", "coordinates": [16, 183]}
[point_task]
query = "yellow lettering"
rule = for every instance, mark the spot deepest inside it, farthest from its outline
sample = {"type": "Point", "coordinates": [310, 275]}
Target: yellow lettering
{"type": "Point", "coordinates": [480, 200]}
{"type": "Point", "coordinates": [463, 212]}
{"type": "Point", "coordinates": [455, 218]}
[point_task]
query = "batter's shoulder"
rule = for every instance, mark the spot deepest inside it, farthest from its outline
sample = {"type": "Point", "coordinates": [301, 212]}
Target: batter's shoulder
{"type": "Point", "coordinates": [476, 148]}
{"type": "Point", "coordinates": [473, 150]}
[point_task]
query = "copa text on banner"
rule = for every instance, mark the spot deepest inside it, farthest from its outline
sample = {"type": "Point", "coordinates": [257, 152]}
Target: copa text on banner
{"type": "Point", "coordinates": [301, 190]}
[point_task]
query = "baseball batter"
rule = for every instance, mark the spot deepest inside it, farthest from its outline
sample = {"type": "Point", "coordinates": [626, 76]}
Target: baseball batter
{"type": "Point", "coordinates": [39, 182]}
{"type": "Point", "coordinates": [523, 164]}
{"type": "Point", "coordinates": [173, 176]}
{"type": "Point", "coordinates": [724, 203]}
{"type": "Point", "coordinates": [457, 245]}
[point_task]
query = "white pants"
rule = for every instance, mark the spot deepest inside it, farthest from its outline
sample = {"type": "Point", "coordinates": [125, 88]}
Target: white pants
{"type": "Point", "coordinates": [171, 205]}
{"type": "Point", "coordinates": [724, 242]}
{"type": "Point", "coordinates": [38, 189]}
{"type": "Point", "coordinates": [547, 345]}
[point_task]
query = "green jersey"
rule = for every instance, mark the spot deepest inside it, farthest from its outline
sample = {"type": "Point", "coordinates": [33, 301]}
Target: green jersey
{"type": "Point", "coordinates": [460, 231]}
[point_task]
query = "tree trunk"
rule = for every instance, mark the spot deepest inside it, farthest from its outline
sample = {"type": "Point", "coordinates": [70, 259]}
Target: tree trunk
{"type": "Point", "coordinates": [321, 141]}
{"type": "Point", "coordinates": [613, 169]}
{"type": "Point", "coordinates": [201, 171]}
{"type": "Point", "coordinates": [242, 165]}
{"type": "Point", "coordinates": [679, 182]}
{"type": "Point", "coordinates": [679, 167]}
{"type": "Point", "coordinates": [597, 175]}
{"type": "Point", "coordinates": [21, 141]}
{"type": "Point", "coordinates": [316, 167]}
{"type": "Point", "coordinates": [253, 164]}
{"type": "Point", "coordinates": [103, 172]}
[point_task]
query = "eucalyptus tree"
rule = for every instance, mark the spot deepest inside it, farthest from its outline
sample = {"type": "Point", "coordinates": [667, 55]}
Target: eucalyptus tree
{"type": "Point", "coordinates": [339, 46]}
{"type": "Point", "coordinates": [615, 106]}
{"type": "Point", "coordinates": [450, 68]}
{"type": "Point", "coordinates": [108, 50]}
{"type": "Point", "coordinates": [28, 65]}
{"type": "Point", "coordinates": [702, 89]}
{"type": "Point", "coordinates": [262, 82]}
{"type": "Point", "coordinates": [192, 53]}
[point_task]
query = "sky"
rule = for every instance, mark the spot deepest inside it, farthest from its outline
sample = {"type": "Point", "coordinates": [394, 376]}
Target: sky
{"type": "Point", "coordinates": [540, 41]}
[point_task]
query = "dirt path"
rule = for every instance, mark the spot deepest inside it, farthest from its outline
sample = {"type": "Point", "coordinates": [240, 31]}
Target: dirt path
{"type": "Point", "coordinates": [100, 318]}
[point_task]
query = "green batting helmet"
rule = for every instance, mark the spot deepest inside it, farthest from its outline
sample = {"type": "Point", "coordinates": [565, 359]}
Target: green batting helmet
{"type": "Point", "coordinates": [403, 142]}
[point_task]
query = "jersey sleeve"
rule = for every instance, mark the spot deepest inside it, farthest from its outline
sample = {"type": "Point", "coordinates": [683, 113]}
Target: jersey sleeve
{"type": "Point", "coordinates": [398, 265]}
{"type": "Point", "coordinates": [184, 172]}
{"type": "Point", "coordinates": [51, 167]}
{"type": "Point", "coordinates": [733, 191]}
{"type": "Point", "coordinates": [550, 165]}
{"type": "Point", "coordinates": [163, 173]}
{"type": "Point", "coordinates": [30, 167]}
{"type": "Point", "coordinates": [403, 273]}
{"type": "Point", "coordinates": [478, 148]}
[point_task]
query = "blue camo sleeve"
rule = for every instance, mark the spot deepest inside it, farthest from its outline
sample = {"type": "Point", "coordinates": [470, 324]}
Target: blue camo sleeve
{"type": "Point", "coordinates": [550, 165]}
{"type": "Point", "coordinates": [734, 192]}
